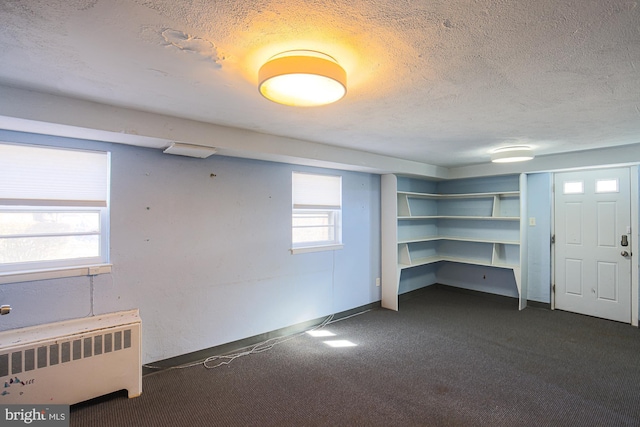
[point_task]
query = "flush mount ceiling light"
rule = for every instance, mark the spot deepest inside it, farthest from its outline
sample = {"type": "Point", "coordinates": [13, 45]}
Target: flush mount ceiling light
{"type": "Point", "coordinates": [302, 78]}
{"type": "Point", "coordinates": [517, 153]}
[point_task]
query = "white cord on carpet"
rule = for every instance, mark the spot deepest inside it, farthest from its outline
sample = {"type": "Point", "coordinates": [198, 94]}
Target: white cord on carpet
{"type": "Point", "coordinates": [255, 349]}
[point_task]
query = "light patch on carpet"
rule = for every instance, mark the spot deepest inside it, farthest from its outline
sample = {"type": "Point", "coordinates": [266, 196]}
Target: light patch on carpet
{"type": "Point", "coordinates": [340, 343]}
{"type": "Point", "coordinates": [322, 333]}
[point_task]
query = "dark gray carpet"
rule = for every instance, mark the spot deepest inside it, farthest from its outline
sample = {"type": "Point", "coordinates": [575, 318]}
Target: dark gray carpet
{"type": "Point", "coordinates": [446, 358]}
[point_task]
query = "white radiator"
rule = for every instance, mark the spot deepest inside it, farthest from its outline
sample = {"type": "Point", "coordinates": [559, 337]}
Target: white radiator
{"type": "Point", "coordinates": [71, 361]}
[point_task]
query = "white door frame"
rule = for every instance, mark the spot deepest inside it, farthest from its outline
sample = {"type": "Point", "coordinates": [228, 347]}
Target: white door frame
{"type": "Point", "coordinates": [635, 243]}
{"type": "Point", "coordinates": [635, 237]}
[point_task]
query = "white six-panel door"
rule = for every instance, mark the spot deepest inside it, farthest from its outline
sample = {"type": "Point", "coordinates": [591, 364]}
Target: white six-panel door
{"type": "Point", "coordinates": [592, 263]}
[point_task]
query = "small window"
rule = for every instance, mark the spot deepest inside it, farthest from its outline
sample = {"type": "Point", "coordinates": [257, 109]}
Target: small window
{"type": "Point", "coordinates": [575, 187]}
{"type": "Point", "coordinates": [316, 222]}
{"type": "Point", "coordinates": [607, 186]}
{"type": "Point", "coordinates": [53, 208]}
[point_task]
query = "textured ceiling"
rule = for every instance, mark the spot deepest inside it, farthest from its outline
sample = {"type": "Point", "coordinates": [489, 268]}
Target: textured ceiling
{"type": "Point", "coordinates": [441, 82]}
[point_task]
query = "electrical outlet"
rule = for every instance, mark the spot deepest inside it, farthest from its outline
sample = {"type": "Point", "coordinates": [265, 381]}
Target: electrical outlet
{"type": "Point", "coordinates": [532, 221]}
{"type": "Point", "coordinates": [377, 281]}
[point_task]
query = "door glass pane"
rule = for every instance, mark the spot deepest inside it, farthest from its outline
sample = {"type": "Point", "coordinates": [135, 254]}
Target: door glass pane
{"type": "Point", "coordinates": [575, 187]}
{"type": "Point", "coordinates": [607, 186]}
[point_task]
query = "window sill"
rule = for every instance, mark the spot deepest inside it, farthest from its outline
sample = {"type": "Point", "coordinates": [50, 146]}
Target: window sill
{"type": "Point", "coordinates": [56, 273]}
{"type": "Point", "coordinates": [315, 249]}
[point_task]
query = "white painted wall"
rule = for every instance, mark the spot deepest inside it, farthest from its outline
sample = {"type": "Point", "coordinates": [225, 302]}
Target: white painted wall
{"type": "Point", "coordinates": [206, 259]}
{"type": "Point", "coordinates": [636, 236]}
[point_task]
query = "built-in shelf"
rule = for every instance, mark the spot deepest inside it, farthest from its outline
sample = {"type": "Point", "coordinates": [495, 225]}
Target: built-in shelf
{"type": "Point", "coordinates": [459, 239]}
{"type": "Point", "coordinates": [477, 228]}
{"type": "Point", "coordinates": [430, 260]}
{"type": "Point", "coordinates": [483, 218]}
{"type": "Point", "coordinates": [459, 195]}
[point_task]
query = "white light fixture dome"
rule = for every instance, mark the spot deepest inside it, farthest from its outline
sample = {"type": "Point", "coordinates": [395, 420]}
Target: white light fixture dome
{"type": "Point", "coordinates": [302, 78]}
{"type": "Point", "coordinates": [516, 153]}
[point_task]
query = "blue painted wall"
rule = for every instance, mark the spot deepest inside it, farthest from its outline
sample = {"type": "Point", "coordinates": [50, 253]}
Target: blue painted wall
{"type": "Point", "coordinates": [206, 259]}
{"type": "Point", "coordinates": [539, 236]}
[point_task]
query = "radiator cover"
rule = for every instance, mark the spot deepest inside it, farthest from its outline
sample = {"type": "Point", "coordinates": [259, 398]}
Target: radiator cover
{"type": "Point", "coordinates": [71, 361]}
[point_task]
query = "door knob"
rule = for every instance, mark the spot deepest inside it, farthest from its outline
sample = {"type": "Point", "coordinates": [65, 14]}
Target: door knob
{"type": "Point", "coordinates": [624, 253]}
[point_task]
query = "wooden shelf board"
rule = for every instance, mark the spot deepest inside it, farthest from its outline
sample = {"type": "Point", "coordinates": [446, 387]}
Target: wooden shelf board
{"type": "Point", "coordinates": [432, 260]}
{"type": "Point", "coordinates": [459, 196]}
{"type": "Point", "coordinates": [481, 218]}
{"type": "Point", "coordinates": [459, 239]}
{"type": "Point", "coordinates": [421, 261]}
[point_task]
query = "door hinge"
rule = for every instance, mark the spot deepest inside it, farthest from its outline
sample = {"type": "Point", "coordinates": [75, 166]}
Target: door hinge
{"type": "Point", "coordinates": [553, 239]}
{"type": "Point", "coordinates": [553, 288]}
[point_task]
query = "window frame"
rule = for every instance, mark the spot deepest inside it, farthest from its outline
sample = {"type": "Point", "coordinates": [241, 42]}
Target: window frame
{"type": "Point", "coordinates": [333, 215]}
{"type": "Point", "coordinates": [14, 272]}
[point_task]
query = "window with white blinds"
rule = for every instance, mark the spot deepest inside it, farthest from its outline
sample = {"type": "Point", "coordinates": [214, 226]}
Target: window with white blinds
{"type": "Point", "coordinates": [317, 212]}
{"type": "Point", "coordinates": [53, 208]}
